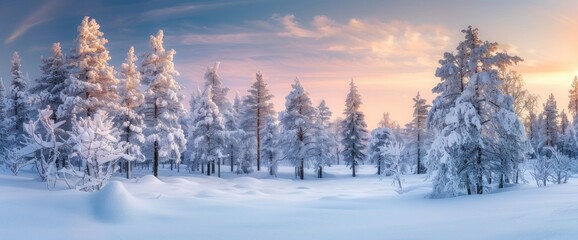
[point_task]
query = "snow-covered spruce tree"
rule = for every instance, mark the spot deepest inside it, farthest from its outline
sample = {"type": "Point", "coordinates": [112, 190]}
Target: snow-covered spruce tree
{"type": "Point", "coordinates": [17, 106]}
{"type": "Point", "coordinates": [321, 147]}
{"type": "Point", "coordinates": [91, 84]}
{"type": "Point", "coordinates": [417, 135]}
{"type": "Point", "coordinates": [257, 107]}
{"type": "Point", "coordinates": [550, 129]}
{"type": "Point", "coordinates": [454, 72]}
{"type": "Point", "coordinates": [131, 98]}
{"type": "Point", "coordinates": [95, 141]}
{"type": "Point", "coordinates": [3, 133]}
{"type": "Point", "coordinates": [569, 142]}
{"type": "Point", "coordinates": [573, 101]}
{"type": "Point", "coordinates": [468, 118]}
{"type": "Point", "coordinates": [48, 87]}
{"type": "Point", "coordinates": [163, 107]}
{"type": "Point", "coordinates": [188, 128]}
{"type": "Point", "coordinates": [269, 148]}
{"type": "Point", "coordinates": [234, 135]}
{"type": "Point", "coordinates": [353, 130]}
{"type": "Point", "coordinates": [213, 79]}
{"type": "Point", "coordinates": [380, 137]}
{"type": "Point", "coordinates": [208, 132]}
{"type": "Point", "coordinates": [564, 124]}
{"type": "Point", "coordinates": [297, 125]}
{"type": "Point", "coordinates": [219, 92]}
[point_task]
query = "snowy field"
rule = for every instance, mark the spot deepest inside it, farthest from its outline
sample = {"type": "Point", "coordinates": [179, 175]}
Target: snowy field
{"type": "Point", "coordinates": [185, 206]}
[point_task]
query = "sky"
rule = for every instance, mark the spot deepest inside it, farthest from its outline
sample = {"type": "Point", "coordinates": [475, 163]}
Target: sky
{"type": "Point", "coordinates": [389, 48]}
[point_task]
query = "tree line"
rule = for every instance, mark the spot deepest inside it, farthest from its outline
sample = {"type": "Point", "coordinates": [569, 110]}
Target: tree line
{"type": "Point", "coordinates": [81, 121]}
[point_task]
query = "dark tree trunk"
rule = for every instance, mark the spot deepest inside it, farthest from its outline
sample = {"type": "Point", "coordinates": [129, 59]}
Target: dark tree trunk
{"type": "Point", "coordinates": [156, 159]}
{"type": "Point", "coordinates": [219, 169]}
{"type": "Point", "coordinates": [208, 168]}
{"type": "Point", "coordinates": [353, 168]}
{"type": "Point", "coordinates": [301, 172]}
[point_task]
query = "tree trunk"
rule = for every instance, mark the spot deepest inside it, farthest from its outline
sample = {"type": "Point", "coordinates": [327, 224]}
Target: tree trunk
{"type": "Point", "coordinates": [379, 167]}
{"type": "Point", "coordinates": [219, 169]}
{"type": "Point", "coordinates": [213, 166]}
{"type": "Point", "coordinates": [208, 168]}
{"type": "Point", "coordinates": [301, 168]}
{"type": "Point", "coordinates": [156, 159]}
{"type": "Point", "coordinates": [353, 168]}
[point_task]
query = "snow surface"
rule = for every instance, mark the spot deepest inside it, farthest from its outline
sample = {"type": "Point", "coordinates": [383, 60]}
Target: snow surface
{"type": "Point", "coordinates": [192, 206]}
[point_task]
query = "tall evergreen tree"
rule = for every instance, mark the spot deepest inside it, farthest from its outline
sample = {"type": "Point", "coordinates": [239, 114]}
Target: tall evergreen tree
{"type": "Point", "coordinates": [257, 107]}
{"type": "Point", "coordinates": [3, 132]}
{"type": "Point", "coordinates": [209, 132]}
{"type": "Point", "coordinates": [466, 116]}
{"type": "Point", "coordinates": [418, 138]}
{"type": "Point", "coordinates": [380, 138]}
{"type": "Point", "coordinates": [297, 128]}
{"type": "Point", "coordinates": [269, 150]}
{"type": "Point", "coordinates": [550, 121]}
{"type": "Point", "coordinates": [573, 101]}
{"type": "Point", "coordinates": [323, 144]}
{"type": "Point", "coordinates": [163, 107]}
{"type": "Point", "coordinates": [16, 113]}
{"type": "Point", "coordinates": [353, 130]}
{"type": "Point", "coordinates": [132, 121]}
{"type": "Point", "coordinates": [91, 84]}
{"type": "Point", "coordinates": [50, 85]}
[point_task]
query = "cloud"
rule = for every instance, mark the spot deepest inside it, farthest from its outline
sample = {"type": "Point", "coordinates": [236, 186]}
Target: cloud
{"type": "Point", "coordinates": [161, 12]}
{"type": "Point", "coordinates": [181, 9]}
{"type": "Point", "coordinates": [40, 15]}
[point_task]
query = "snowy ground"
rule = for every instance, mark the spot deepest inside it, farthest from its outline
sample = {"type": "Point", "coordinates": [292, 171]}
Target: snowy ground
{"type": "Point", "coordinates": [186, 206]}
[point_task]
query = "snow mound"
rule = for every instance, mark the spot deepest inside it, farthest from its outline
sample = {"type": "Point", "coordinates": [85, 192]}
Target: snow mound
{"type": "Point", "coordinates": [248, 181]}
{"type": "Point", "coordinates": [150, 179]}
{"type": "Point", "coordinates": [114, 203]}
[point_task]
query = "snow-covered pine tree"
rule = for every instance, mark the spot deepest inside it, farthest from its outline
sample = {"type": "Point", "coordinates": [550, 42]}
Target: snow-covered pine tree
{"type": "Point", "coordinates": [353, 130]}
{"type": "Point", "coordinates": [321, 147]}
{"type": "Point", "coordinates": [95, 141]}
{"type": "Point", "coordinates": [131, 98]}
{"type": "Point", "coordinates": [209, 133]}
{"type": "Point", "coordinates": [573, 101]}
{"type": "Point", "coordinates": [257, 107]}
{"type": "Point", "coordinates": [417, 135]}
{"type": "Point", "coordinates": [91, 84]}
{"type": "Point", "coordinates": [297, 128]}
{"type": "Point", "coordinates": [550, 127]}
{"type": "Point", "coordinates": [3, 133]}
{"type": "Point", "coordinates": [465, 114]}
{"type": "Point", "coordinates": [48, 87]}
{"type": "Point", "coordinates": [194, 163]}
{"type": "Point", "coordinates": [163, 107]}
{"type": "Point", "coordinates": [380, 137]}
{"type": "Point", "coordinates": [219, 92]}
{"type": "Point", "coordinates": [234, 135]}
{"type": "Point", "coordinates": [269, 147]}
{"type": "Point", "coordinates": [17, 105]}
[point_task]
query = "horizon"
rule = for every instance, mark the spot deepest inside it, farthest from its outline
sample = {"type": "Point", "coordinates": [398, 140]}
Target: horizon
{"type": "Point", "coordinates": [389, 48]}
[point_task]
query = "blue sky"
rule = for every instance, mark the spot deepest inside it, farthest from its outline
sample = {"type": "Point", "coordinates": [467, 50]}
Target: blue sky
{"type": "Point", "coordinates": [390, 48]}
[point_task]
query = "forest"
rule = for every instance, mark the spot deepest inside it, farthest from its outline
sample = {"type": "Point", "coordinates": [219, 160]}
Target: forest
{"type": "Point", "coordinates": [82, 123]}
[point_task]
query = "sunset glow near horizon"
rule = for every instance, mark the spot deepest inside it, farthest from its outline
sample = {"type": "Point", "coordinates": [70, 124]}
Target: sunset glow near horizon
{"type": "Point", "coordinates": [389, 48]}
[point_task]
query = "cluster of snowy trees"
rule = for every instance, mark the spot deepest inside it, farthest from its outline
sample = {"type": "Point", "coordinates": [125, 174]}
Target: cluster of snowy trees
{"type": "Point", "coordinates": [81, 121]}
{"type": "Point", "coordinates": [480, 138]}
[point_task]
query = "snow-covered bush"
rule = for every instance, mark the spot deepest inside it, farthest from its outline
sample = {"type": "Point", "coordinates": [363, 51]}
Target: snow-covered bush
{"type": "Point", "coordinates": [94, 140]}
{"type": "Point", "coordinates": [395, 166]}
